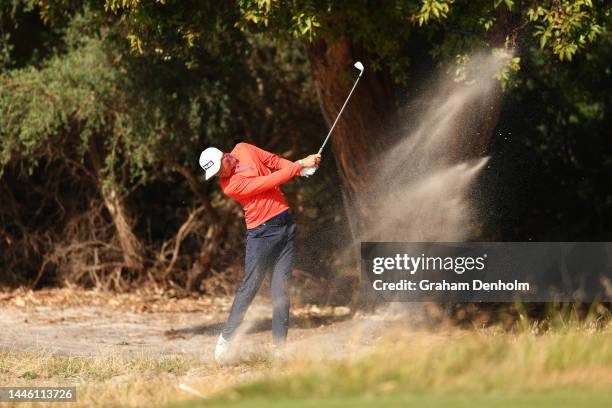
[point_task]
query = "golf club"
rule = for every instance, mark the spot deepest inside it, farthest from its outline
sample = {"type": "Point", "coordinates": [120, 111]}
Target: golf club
{"type": "Point", "coordinates": [310, 171]}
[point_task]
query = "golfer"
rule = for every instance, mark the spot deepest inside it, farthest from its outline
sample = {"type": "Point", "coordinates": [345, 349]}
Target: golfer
{"type": "Point", "coordinates": [252, 177]}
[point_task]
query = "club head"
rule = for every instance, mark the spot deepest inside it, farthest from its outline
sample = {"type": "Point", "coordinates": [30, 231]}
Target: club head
{"type": "Point", "coordinates": [359, 66]}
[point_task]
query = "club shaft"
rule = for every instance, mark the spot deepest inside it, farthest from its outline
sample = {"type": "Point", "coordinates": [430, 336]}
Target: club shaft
{"type": "Point", "coordinates": [339, 113]}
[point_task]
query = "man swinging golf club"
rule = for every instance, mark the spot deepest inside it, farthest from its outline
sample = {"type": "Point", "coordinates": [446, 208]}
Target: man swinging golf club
{"type": "Point", "coordinates": [252, 177]}
{"type": "Point", "coordinates": [246, 175]}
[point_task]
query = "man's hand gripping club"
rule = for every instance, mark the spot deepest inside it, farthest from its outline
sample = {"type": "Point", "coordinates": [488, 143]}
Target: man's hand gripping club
{"type": "Point", "coordinates": [309, 164]}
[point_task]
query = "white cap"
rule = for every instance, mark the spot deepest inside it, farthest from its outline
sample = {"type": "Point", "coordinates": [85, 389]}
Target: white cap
{"type": "Point", "coordinates": [210, 161]}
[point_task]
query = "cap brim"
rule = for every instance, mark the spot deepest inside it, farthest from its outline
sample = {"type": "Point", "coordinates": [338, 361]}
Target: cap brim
{"type": "Point", "coordinates": [213, 170]}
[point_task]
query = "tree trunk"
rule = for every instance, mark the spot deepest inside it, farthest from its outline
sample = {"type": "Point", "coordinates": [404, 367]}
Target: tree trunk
{"type": "Point", "coordinates": [130, 245]}
{"type": "Point", "coordinates": [210, 246]}
{"type": "Point", "coordinates": [365, 129]}
{"type": "Point", "coordinates": [132, 250]}
{"type": "Point", "coordinates": [196, 189]}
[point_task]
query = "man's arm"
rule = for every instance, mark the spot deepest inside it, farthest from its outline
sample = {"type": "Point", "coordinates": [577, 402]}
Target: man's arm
{"type": "Point", "coordinates": [242, 187]}
{"type": "Point", "coordinates": [270, 160]}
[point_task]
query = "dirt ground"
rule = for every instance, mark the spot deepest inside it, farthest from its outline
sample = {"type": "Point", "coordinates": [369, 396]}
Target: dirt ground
{"type": "Point", "coordinates": [82, 323]}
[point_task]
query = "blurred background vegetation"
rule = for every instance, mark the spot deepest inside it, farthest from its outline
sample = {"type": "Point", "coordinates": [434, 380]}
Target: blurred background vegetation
{"type": "Point", "coordinates": [105, 106]}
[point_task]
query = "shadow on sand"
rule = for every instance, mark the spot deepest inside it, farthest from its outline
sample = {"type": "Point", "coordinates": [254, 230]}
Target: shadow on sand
{"type": "Point", "coordinates": [258, 325]}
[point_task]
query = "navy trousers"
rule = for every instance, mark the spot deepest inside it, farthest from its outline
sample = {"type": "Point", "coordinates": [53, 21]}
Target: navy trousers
{"type": "Point", "coordinates": [269, 248]}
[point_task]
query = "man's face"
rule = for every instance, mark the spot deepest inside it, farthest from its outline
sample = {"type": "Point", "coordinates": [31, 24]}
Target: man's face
{"type": "Point", "coordinates": [226, 166]}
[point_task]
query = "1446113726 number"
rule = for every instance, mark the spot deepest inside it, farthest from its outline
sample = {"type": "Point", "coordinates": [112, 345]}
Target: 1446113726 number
{"type": "Point", "coordinates": [37, 394]}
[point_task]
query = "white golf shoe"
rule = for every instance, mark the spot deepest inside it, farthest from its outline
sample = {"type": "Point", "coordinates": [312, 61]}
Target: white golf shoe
{"type": "Point", "coordinates": [278, 353]}
{"type": "Point", "coordinates": [221, 349]}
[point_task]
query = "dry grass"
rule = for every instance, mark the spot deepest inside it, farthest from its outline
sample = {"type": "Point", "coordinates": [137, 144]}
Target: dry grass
{"type": "Point", "coordinates": [110, 379]}
{"type": "Point", "coordinates": [461, 361]}
{"type": "Point", "coordinates": [574, 355]}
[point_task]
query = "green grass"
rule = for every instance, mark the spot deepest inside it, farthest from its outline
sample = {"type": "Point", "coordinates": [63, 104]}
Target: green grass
{"type": "Point", "coordinates": [552, 399]}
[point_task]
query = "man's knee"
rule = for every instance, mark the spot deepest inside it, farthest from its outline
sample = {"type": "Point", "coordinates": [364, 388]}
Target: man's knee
{"type": "Point", "coordinates": [250, 287]}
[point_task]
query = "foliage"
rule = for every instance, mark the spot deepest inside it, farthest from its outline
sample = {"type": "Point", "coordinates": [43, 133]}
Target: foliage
{"type": "Point", "coordinates": [385, 29]}
{"type": "Point", "coordinates": [149, 83]}
{"type": "Point", "coordinates": [72, 91]}
{"type": "Point", "coordinates": [148, 116]}
{"type": "Point", "coordinates": [553, 143]}
{"type": "Point", "coordinates": [567, 25]}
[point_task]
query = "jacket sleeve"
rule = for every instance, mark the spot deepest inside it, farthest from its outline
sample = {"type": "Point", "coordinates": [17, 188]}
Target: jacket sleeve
{"type": "Point", "coordinates": [243, 187]}
{"type": "Point", "coordinates": [271, 160]}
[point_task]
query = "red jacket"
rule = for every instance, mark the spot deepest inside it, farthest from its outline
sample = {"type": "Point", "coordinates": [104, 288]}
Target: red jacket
{"type": "Point", "coordinates": [254, 185]}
